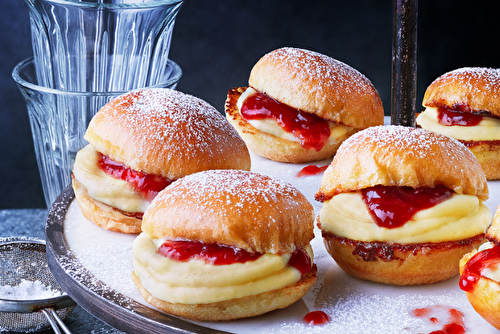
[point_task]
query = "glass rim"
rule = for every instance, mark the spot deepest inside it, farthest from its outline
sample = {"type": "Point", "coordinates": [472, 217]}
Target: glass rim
{"type": "Point", "coordinates": [174, 79]}
{"type": "Point", "coordinates": [136, 4]}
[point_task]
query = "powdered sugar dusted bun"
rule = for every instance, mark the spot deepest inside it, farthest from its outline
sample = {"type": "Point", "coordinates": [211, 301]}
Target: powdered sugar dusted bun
{"type": "Point", "coordinates": [484, 293]}
{"type": "Point", "coordinates": [318, 84]}
{"type": "Point", "coordinates": [402, 156]}
{"type": "Point", "coordinates": [244, 212]}
{"type": "Point", "coordinates": [468, 89]}
{"type": "Point", "coordinates": [166, 132]}
{"type": "Point", "coordinates": [274, 147]}
{"type": "Point", "coordinates": [466, 93]}
{"type": "Point", "coordinates": [318, 99]}
{"type": "Point", "coordinates": [235, 208]}
{"type": "Point", "coordinates": [365, 227]}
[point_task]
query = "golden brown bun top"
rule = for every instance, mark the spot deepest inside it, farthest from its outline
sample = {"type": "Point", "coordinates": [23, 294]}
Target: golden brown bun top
{"type": "Point", "coordinates": [234, 208]}
{"type": "Point", "coordinates": [166, 132]}
{"type": "Point", "coordinates": [468, 89]}
{"type": "Point", "coordinates": [318, 84]}
{"type": "Point", "coordinates": [402, 156]}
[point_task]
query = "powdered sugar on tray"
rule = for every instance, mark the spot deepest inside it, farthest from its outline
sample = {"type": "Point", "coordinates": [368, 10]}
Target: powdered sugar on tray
{"type": "Point", "coordinates": [354, 306]}
{"type": "Point", "coordinates": [28, 290]}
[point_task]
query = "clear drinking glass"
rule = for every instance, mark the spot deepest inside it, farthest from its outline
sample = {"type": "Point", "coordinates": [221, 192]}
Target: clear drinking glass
{"type": "Point", "coordinates": [59, 120]}
{"type": "Point", "coordinates": [101, 45]}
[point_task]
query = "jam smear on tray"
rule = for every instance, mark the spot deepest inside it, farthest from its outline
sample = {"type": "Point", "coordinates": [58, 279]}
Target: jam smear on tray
{"type": "Point", "coordinates": [312, 131]}
{"type": "Point", "coordinates": [452, 117]}
{"type": "Point", "coordinates": [311, 170]}
{"type": "Point", "coordinates": [392, 207]}
{"type": "Point", "coordinates": [486, 259]}
{"type": "Point", "coordinates": [215, 254]}
{"type": "Point", "coordinates": [146, 184]}
{"type": "Point", "coordinates": [435, 314]}
{"type": "Point", "coordinates": [316, 318]}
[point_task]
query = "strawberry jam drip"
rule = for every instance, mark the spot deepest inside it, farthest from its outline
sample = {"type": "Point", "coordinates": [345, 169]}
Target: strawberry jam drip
{"type": "Point", "coordinates": [311, 170]}
{"type": "Point", "coordinates": [451, 318]}
{"type": "Point", "coordinates": [219, 255]}
{"type": "Point", "coordinates": [316, 318]}
{"type": "Point", "coordinates": [301, 261]}
{"type": "Point", "coordinates": [450, 117]}
{"type": "Point", "coordinates": [484, 260]}
{"type": "Point", "coordinates": [392, 207]}
{"type": "Point", "coordinates": [146, 184]}
{"type": "Point", "coordinates": [312, 131]}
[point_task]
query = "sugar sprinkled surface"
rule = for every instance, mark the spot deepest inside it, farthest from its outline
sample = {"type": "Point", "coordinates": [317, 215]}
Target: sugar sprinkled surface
{"type": "Point", "coordinates": [309, 64]}
{"type": "Point", "coordinates": [408, 140]}
{"type": "Point", "coordinates": [184, 127]}
{"type": "Point", "coordinates": [249, 188]}
{"type": "Point", "coordinates": [468, 77]}
{"type": "Point", "coordinates": [354, 306]}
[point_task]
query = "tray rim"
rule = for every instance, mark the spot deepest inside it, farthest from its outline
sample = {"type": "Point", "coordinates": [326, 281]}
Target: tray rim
{"type": "Point", "coordinates": [96, 297]}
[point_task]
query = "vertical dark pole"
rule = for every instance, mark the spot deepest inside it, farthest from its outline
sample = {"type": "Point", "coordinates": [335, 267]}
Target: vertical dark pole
{"type": "Point", "coordinates": [404, 63]}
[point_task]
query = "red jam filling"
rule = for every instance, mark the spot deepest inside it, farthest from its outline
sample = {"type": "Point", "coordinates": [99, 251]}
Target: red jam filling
{"type": "Point", "coordinates": [486, 259]}
{"type": "Point", "coordinates": [392, 207]}
{"type": "Point", "coordinates": [312, 131]}
{"type": "Point", "coordinates": [454, 324]}
{"type": "Point", "coordinates": [316, 318]}
{"type": "Point", "coordinates": [311, 170]}
{"type": "Point", "coordinates": [147, 185]}
{"type": "Point", "coordinates": [219, 255]}
{"type": "Point", "coordinates": [450, 117]}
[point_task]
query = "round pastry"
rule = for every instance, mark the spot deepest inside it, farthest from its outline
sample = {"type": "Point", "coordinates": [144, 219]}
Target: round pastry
{"type": "Point", "coordinates": [141, 142]}
{"type": "Point", "coordinates": [480, 275]}
{"type": "Point", "coordinates": [225, 244]}
{"type": "Point", "coordinates": [402, 205]}
{"type": "Point", "coordinates": [300, 105]}
{"type": "Point", "coordinates": [465, 104]}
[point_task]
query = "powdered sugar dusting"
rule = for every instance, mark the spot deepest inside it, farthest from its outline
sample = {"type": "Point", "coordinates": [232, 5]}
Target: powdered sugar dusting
{"type": "Point", "coordinates": [313, 65]}
{"type": "Point", "coordinates": [172, 117]}
{"type": "Point", "coordinates": [470, 89]}
{"type": "Point", "coordinates": [411, 141]}
{"type": "Point", "coordinates": [231, 190]}
{"type": "Point", "coordinates": [469, 76]}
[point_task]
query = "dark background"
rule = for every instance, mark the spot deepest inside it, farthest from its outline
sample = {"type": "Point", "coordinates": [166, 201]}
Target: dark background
{"type": "Point", "coordinates": [216, 44]}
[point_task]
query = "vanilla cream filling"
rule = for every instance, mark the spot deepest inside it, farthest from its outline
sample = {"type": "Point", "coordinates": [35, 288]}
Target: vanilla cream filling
{"type": "Point", "coordinates": [487, 129]}
{"type": "Point", "coordinates": [271, 127]}
{"type": "Point", "coordinates": [195, 282]}
{"type": "Point", "coordinates": [459, 217]}
{"type": "Point", "coordinates": [491, 272]}
{"type": "Point", "coordinates": [103, 187]}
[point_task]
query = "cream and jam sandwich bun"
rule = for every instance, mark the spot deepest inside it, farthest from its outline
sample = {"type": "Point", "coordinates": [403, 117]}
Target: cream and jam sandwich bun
{"type": "Point", "coordinates": [480, 275]}
{"type": "Point", "coordinates": [300, 105]}
{"type": "Point", "coordinates": [225, 244]}
{"type": "Point", "coordinates": [465, 104]}
{"type": "Point", "coordinates": [402, 205]}
{"type": "Point", "coordinates": [141, 142]}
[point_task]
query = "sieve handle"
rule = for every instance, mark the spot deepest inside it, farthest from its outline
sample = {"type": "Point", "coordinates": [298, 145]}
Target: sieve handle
{"type": "Point", "coordinates": [54, 320]}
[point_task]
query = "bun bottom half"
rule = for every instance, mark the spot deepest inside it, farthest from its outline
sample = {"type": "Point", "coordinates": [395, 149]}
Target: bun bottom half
{"type": "Point", "coordinates": [104, 215]}
{"type": "Point", "coordinates": [237, 308]}
{"type": "Point", "coordinates": [399, 264]}
{"type": "Point", "coordinates": [273, 147]}
{"type": "Point", "coordinates": [488, 155]}
{"type": "Point", "coordinates": [484, 297]}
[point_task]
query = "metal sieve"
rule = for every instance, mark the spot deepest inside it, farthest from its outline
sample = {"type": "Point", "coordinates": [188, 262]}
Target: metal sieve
{"type": "Point", "coordinates": [24, 260]}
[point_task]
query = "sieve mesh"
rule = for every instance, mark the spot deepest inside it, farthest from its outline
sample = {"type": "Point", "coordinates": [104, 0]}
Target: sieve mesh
{"type": "Point", "coordinates": [25, 260]}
